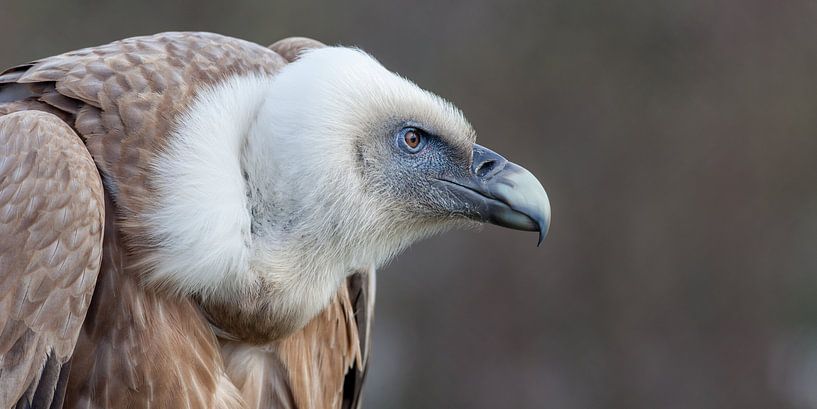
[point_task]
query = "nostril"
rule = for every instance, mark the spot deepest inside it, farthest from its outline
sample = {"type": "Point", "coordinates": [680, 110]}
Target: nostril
{"type": "Point", "coordinates": [484, 169]}
{"type": "Point", "coordinates": [486, 163]}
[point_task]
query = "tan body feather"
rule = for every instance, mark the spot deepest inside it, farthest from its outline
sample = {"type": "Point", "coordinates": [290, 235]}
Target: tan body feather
{"type": "Point", "coordinates": [137, 347]}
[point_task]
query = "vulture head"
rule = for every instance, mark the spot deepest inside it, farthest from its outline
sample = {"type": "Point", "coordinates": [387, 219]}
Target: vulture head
{"type": "Point", "coordinates": [275, 189]}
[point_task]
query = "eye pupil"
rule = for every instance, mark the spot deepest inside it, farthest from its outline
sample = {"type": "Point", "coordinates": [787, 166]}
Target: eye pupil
{"type": "Point", "coordinates": [412, 139]}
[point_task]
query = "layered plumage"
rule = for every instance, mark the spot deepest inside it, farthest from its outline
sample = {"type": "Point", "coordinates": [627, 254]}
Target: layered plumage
{"type": "Point", "coordinates": [192, 220]}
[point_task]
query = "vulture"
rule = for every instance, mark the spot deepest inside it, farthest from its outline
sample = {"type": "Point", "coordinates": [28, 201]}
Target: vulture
{"type": "Point", "coordinates": [189, 220]}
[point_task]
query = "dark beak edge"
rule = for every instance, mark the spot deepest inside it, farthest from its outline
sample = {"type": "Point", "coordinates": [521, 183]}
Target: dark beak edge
{"type": "Point", "coordinates": [502, 193]}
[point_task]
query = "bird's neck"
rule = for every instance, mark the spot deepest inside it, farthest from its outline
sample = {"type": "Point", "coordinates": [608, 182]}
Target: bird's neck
{"type": "Point", "coordinates": [310, 218]}
{"type": "Point", "coordinates": [229, 212]}
{"type": "Point", "coordinates": [307, 226]}
{"type": "Point", "coordinates": [261, 213]}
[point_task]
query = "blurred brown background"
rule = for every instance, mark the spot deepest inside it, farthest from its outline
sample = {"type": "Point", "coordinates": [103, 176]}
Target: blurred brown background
{"type": "Point", "coordinates": [677, 141]}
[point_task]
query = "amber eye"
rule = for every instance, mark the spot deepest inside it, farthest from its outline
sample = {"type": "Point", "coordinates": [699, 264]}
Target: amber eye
{"type": "Point", "coordinates": [412, 140]}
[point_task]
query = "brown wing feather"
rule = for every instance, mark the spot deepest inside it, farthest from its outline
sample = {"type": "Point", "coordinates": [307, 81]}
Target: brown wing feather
{"type": "Point", "coordinates": [327, 359]}
{"type": "Point", "coordinates": [140, 347]}
{"type": "Point", "coordinates": [318, 357]}
{"type": "Point", "coordinates": [291, 47]}
{"type": "Point", "coordinates": [362, 294]}
{"type": "Point", "coordinates": [123, 98]}
{"type": "Point", "coordinates": [51, 216]}
{"type": "Point", "coordinates": [320, 366]}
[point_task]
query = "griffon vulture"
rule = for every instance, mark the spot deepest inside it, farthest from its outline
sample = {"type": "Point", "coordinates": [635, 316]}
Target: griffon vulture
{"type": "Point", "coordinates": [189, 220]}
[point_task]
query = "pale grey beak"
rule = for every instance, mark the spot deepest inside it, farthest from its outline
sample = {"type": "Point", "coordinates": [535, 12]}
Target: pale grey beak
{"type": "Point", "coordinates": [503, 193]}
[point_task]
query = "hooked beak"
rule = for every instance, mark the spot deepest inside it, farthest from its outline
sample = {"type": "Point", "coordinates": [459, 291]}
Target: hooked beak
{"type": "Point", "coordinates": [501, 192]}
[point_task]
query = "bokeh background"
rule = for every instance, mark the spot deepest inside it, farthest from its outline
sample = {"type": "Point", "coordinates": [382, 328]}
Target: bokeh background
{"type": "Point", "coordinates": [677, 140]}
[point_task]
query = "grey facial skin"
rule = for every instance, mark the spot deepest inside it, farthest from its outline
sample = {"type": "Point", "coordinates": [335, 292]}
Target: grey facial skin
{"type": "Point", "coordinates": [500, 192]}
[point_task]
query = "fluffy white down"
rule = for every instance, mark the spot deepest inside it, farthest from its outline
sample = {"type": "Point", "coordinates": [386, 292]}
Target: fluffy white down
{"type": "Point", "coordinates": [200, 219]}
{"type": "Point", "coordinates": [287, 141]}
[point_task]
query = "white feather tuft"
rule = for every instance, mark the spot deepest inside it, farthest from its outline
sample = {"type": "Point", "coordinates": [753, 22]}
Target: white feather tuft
{"type": "Point", "coordinates": [200, 221]}
{"type": "Point", "coordinates": [259, 188]}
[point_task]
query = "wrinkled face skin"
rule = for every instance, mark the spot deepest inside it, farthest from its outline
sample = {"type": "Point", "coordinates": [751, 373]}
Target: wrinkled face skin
{"type": "Point", "coordinates": [407, 172]}
{"type": "Point", "coordinates": [442, 179]}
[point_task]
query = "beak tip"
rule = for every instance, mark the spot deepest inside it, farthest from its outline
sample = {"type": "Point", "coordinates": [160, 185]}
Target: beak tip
{"type": "Point", "coordinates": [543, 232]}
